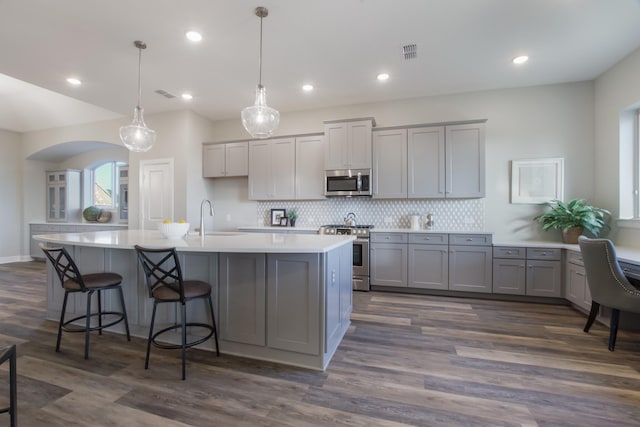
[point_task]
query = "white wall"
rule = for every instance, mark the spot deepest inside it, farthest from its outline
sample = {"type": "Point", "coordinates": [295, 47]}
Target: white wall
{"type": "Point", "coordinates": [616, 91]}
{"type": "Point", "coordinates": [11, 195]}
{"type": "Point", "coordinates": [535, 122]}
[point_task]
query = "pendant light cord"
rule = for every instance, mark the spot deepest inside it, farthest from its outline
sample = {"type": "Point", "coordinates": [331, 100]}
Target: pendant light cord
{"type": "Point", "coordinates": [260, 59]}
{"type": "Point", "coordinates": [139, 76]}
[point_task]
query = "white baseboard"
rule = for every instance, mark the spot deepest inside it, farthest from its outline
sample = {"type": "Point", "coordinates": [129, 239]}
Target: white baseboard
{"type": "Point", "coordinates": [17, 258]}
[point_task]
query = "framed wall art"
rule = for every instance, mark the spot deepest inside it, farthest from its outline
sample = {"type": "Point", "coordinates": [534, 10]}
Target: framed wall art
{"type": "Point", "coordinates": [537, 180]}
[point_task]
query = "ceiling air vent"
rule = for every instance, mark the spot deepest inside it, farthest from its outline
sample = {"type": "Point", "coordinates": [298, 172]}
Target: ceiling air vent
{"type": "Point", "coordinates": [165, 93]}
{"type": "Point", "coordinates": [409, 51]}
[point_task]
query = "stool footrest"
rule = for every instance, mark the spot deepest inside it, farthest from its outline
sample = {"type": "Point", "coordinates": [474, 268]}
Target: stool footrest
{"type": "Point", "coordinates": [179, 346]}
{"type": "Point", "coordinates": [79, 328]}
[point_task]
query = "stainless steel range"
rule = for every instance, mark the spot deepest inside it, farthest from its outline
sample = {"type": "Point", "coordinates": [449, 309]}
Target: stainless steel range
{"type": "Point", "coordinates": [360, 251]}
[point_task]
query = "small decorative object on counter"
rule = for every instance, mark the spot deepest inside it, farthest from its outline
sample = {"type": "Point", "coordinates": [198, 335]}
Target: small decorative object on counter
{"type": "Point", "coordinates": [292, 215]}
{"type": "Point", "coordinates": [104, 216]}
{"type": "Point", "coordinates": [428, 221]}
{"type": "Point", "coordinates": [415, 222]}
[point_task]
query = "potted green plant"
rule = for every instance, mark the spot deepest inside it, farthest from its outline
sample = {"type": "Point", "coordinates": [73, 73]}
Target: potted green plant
{"type": "Point", "coordinates": [573, 218]}
{"type": "Point", "coordinates": [292, 215]}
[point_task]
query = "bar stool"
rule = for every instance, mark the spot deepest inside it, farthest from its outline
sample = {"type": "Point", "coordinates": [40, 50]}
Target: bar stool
{"type": "Point", "coordinates": [9, 353]}
{"type": "Point", "coordinates": [166, 285]}
{"type": "Point", "coordinates": [73, 282]}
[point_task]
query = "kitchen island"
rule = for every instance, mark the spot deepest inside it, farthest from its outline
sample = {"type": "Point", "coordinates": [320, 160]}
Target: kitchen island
{"type": "Point", "coordinates": [285, 298]}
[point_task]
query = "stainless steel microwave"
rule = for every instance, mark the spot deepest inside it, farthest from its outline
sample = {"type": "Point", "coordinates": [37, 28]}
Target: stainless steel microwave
{"type": "Point", "coordinates": [347, 182]}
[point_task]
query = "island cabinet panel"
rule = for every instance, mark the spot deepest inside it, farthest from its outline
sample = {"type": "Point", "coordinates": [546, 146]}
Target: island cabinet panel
{"type": "Point", "coordinates": [293, 302]}
{"type": "Point", "coordinates": [338, 291]}
{"type": "Point", "coordinates": [242, 298]}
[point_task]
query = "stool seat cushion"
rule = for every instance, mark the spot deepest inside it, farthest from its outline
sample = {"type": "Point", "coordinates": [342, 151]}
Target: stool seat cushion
{"type": "Point", "coordinates": [94, 281]}
{"type": "Point", "coordinates": [192, 289]}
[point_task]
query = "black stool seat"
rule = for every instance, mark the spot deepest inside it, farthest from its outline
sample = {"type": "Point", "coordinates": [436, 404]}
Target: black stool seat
{"type": "Point", "coordinates": [72, 281]}
{"type": "Point", "coordinates": [9, 353]}
{"type": "Point", "coordinates": [166, 285]}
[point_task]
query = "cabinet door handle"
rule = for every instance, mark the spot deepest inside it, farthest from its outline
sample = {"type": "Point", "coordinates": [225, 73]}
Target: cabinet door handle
{"type": "Point", "coordinates": [469, 240]}
{"type": "Point", "coordinates": [508, 252]}
{"type": "Point", "coordinates": [543, 253]}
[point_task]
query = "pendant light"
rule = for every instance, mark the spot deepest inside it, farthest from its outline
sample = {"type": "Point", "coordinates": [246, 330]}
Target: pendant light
{"type": "Point", "coordinates": [137, 136]}
{"type": "Point", "coordinates": [260, 120]}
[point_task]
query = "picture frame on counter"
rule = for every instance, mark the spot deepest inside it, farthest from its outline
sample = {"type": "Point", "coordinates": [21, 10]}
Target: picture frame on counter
{"type": "Point", "coordinates": [284, 221]}
{"type": "Point", "coordinates": [535, 181]}
{"type": "Point", "coordinates": [276, 217]}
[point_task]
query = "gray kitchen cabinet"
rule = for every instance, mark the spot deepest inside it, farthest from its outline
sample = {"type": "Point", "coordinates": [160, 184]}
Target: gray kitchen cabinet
{"type": "Point", "coordinates": [390, 164]}
{"type": "Point", "coordinates": [465, 161]}
{"type": "Point", "coordinates": [388, 259]}
{"type": "Point", "coordinates": [428, 261]}
{"type": "Point", "coordinates": [544, 272]}
{"type": "Point", "coordinates": [242, 298]}
{"type": "Point", "coordinates": [576, 285]}
{"type": "Point", "coordinates": [426, 162]}
{"type": "Point", "coordinates": [272, 169]}
{"type": "Point", "coordinates": [348, 144]}
{"type": "Point", "coordinates": [509, 270]}
{"type": "Point", "coordinates": [63, 195]}
{"type": "Point", "coordinates": [470, 268]}
{"type": "Point", "coordinates": [429, 161]}
{"type": "Point", "coordinates": [225, 160]}
{"type": "Point", "coordinates": [309, 180]}
{"type": "Point", "coordinates": [338, 291]}
{"type": "Point", "coordinates": [293, 302]}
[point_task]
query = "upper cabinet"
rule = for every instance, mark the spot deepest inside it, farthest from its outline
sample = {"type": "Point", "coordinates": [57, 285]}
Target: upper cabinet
{"type": "Point", "coordinates": [272, 166]}
{"type": "Point", "coordinates": [225, 160]}
{"type": "Point", "coordinates": [348, 144]}
{"type": "Point", "coordinates": [310, 167]}
{"type": "Point", "coordinates": [429, 162]}
{"type": "Point", "coordinates": [63, 195]}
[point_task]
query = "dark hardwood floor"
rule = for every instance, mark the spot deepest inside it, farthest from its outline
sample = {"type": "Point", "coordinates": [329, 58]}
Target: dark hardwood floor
{"type": "Point", "coordinates": [406, 360]}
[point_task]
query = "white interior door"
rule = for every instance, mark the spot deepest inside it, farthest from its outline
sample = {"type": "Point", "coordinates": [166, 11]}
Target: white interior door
{"type": "Point", "coordinates": [156, 192]}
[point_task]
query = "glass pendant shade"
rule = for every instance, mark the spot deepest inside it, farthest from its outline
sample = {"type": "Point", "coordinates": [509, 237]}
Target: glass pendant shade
{"type": "Point", "coordinates": [260, 120]}
{"type": "Point", "coordinates": [137, 136]}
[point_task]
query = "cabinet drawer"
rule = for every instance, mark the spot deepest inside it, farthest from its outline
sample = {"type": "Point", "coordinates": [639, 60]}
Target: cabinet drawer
{"type": "Point", "coordinates": [389, 237]}
{"type": "Point", "coordinates": [470, 239]}
{"type": "Point", "coordinates": [509, 252]}
{"type": "Point", "coordinates": [44, 228]}
{"type": "Point", "coordinates": [544, 253]}
{"type": "Point", "coordinates": [429, 239]}
{"type": "Point", "coordinates": [575, 258]}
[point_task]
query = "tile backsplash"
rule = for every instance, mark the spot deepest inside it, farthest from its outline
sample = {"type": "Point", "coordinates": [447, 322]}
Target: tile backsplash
{"type": "Point", "coordinates": [454, 214]}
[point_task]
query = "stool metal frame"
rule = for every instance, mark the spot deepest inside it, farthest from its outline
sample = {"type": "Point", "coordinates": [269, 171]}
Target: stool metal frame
{"type": "Point", "coordinates": [9, 353]}
{"type": "Point", "coordinates": [72, 282]}
{"type": "Point", "coordinates": [166, 285]}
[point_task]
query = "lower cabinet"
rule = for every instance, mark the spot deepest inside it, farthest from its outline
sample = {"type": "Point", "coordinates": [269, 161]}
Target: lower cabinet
{"type": "Point", "coordinates": [470, 268]}
{"type": "Point", "coordinates": [388, 259]}
{"type": "Point", "coordinates": [576, 285]}
{"type": "Point", "coordinates": [527, 271]}
{"type": "Point", "coordinates": [429, 261]}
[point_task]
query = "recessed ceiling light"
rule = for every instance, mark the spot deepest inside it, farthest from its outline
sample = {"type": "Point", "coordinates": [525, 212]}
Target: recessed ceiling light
{"type": "Point", "coordinates": [194, 36]}
{"type": "Point", "coordinates": [187, 96]}
{"type": "Point", "coordinates": [520, 59]}
{"type": "Point", "coordinates": [383, 76]}
{"type": "Point", "coordinates": [307, 88]}
{"type": "Point", "coordinates": [74, 81]}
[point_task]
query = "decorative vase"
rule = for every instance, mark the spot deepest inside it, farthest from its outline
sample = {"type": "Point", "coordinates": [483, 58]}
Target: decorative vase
{"type": "Point", "coordinates": [572, 234]}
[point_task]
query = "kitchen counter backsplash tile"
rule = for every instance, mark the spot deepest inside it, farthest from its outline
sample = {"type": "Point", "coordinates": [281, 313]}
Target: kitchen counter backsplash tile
{"type": "Point", "coordinates": [457, 214]}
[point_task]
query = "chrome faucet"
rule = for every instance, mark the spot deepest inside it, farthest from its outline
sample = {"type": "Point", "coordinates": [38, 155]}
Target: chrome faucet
{"type": "Point", "coordinates": [202, 214]}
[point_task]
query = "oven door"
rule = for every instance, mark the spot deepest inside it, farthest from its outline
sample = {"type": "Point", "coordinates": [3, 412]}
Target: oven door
{"type": "Point", "coordinates": [361, 257]}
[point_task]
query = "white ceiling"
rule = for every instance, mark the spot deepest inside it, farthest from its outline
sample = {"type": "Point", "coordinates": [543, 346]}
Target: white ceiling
{"type": "Point", "coordinates": [337, 45]}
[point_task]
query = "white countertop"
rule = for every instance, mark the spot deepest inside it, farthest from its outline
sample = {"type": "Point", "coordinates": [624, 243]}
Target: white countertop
{"type": "Point", "coordinates": [433, 230]}
{"type": "Point", "coordinates": [214, 242]}
{"type": "Point", "coordinates": [95, 223]}
{"type": "Point", "coordinates": [274, 229]}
